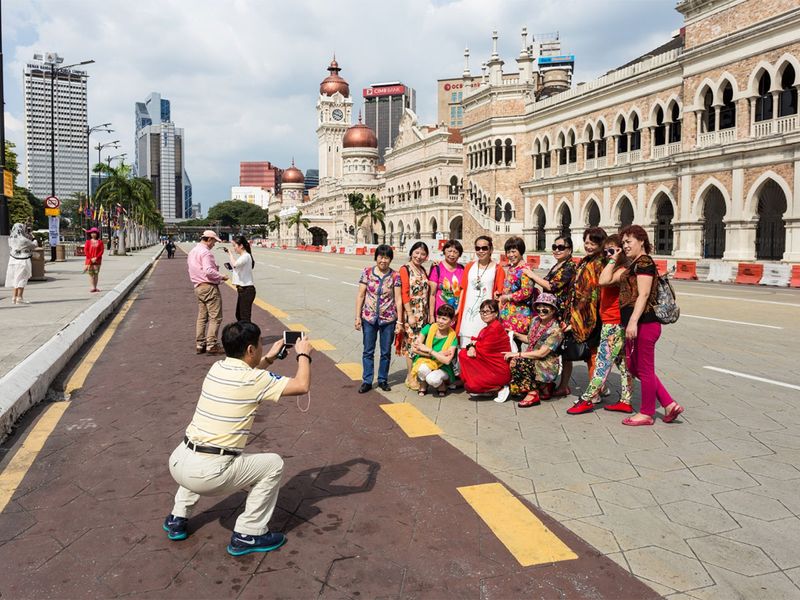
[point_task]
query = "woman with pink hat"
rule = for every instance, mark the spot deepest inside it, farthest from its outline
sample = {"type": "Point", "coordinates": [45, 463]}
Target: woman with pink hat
{"type": "Point", "coordinates": [93, 251]}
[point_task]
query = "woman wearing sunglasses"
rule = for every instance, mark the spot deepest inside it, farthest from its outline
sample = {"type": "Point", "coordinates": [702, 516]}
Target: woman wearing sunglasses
{"type": "Point", "coordinates": [518, 290]}
{"type": "Point", "coordinates": [483, 365]}
{"type": "Point", "coordinates": [612, 335]}
{"type": "Point", "coordinates": [482, 280]}
{"type": "Point", "coordinates": [538, 366]}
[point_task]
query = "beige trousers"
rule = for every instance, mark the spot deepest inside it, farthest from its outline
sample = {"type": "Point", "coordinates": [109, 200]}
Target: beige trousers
{"type": "Point", "coordinates": [209, 312]}
{"type": "Point", "coordinates": [200, 474]}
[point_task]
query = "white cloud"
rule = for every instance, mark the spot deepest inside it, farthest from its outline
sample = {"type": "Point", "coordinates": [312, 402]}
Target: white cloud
{"type": "Point", "coordinates": [243, 75]}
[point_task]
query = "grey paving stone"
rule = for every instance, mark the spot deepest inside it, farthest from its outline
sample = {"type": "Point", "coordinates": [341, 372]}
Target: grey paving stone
{"type": "Point", "coordinates": [600, 538]}
{"type": "Point", "coordinates": [787, 492]}
{"type": "Point", "coordinates": [776, 538]}
{"type": "Point", "coordinates": [730, 586]}
{"type": "Point", "coordinates": [678, 485]}
{"type": "Point", "coordinates": [769, 467]}
{"type": "Point", "coordinates": [674, 571]}
{"type": "Point", "coordinates": [700, 516]}
{"type": "Point", "coordinates": [566, 476]}
{"type": "Point", "coordinates": [731, 555]}
{"type": "Point", "coordinates": [568, 504]}
{"type": "Point", "coordinates": [735, 478]}
{"type": "Point", "coordinates": [758, 507]}
{"type": "Point", "coordinates": [611, 470]}
{"type": "Point", "coordinates": [622, 494]}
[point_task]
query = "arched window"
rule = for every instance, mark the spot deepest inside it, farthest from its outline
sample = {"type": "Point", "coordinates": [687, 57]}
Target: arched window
{"type": "Point", "coordinates": [540, 221]}
{"type": "Point", "coordinates": [508, 212]}
{"type": "Point", "coordinates": [710, 119]}
{"type": "Point", "coordinates": [589, 143]}
{"type": "Point", "coordinates": [572, 148]}
{"type": "Point", "coordinates": [764, 99]}
{"type": "Point", "coordinates": [498, 210]}
{"type": "Point", "coordinates": [498, 152]}
{"type": "Point", "coordinates": [622, 140]}
{"type": "Point", "coordinates": [660, 130]}
{"type": "Point", "coordinates": [508, 151]}
{"type": "Point", "coordinates": [675, 125]}
{"type": "Point", "coordinates": [636, 133]}
{"type": "Point", "coordinates": [601, 137]}
{"type": "Point", "coordinates": [453, 185]}
{"type": "Point", "coordinates": [713, 226]}
{"type": "Point", "coordinates": [562, 149]}
{"type": "Point", "coordinates": [663, 229]}
{"type": "Point", "coordinates": [546, 150]}
{"type": "Point", "coordinates": [727, 114]}
{"type": "Point", "coordinates": [771, 231]}
{"type": "Point", "coordinates": [788, 102]}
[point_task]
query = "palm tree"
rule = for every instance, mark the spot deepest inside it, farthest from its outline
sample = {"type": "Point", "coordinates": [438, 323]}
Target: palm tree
{"type": "Point", "coordinates": [274, 224]}
{"type": "Point", "coordinates": [374, 210]}
{"type": "Point", "coordinates": [356, 202]}
{"type": "Point", "coordinates": [297, 219]}
{"type": "Point", "coordinates": [134, 198]}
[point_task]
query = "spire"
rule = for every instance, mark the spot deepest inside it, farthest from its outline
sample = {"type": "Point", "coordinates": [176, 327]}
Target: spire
{"type": "Point", "coordinates": [495, 56]}
{"type": "Point", "coordinates": [523, 53]}
{"type": "Point", "coordinates": [359, 116]}
{"type": "Point", "coordinates": [466, 72]}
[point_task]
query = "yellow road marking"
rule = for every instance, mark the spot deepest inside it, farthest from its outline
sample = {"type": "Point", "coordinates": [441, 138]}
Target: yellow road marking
{"type": "Point", "coordinates": [297, 327]}
{"type": "Point", "coordinates": [23, 458]}
{"type": "Point", "coordinates": [525, 536]}
{"type": "Point", "coordinates": [352, 370]}
{"type": "Point", "coordinates": [273, 310]}
{"type": "Point", "coordinates": [411, 420]}
{"type": "Point", "coordinates": [322, 345]}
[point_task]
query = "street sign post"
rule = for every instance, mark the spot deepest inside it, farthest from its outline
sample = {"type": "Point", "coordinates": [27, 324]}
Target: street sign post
{"type": "Point", "coordinates": [52, 207]}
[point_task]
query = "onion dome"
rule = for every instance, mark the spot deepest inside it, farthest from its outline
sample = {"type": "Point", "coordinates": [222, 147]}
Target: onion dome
{"type": "Point", "coordinates": [359, 136]}
{"type": "Point", "coordinates": [333, 83]}
{"type": "Point", "coordinates": [292, 175]}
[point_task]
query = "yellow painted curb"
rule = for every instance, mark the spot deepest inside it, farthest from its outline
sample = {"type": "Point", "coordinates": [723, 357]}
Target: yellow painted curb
{"type": "Point", "coordinates": [525, 536]}
{"type": "Point", "coordinates": [352, 370]}
{"type": "Point", "coordinates": [411, 420]}
{"type": "Point", "coordinates": [322, 345]}
{"type": "Point", "coordinates": [297, 327]}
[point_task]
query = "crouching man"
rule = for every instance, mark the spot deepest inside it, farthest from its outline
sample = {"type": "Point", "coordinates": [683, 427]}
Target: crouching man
{"type": "Point", "coordinates": [210, 461]}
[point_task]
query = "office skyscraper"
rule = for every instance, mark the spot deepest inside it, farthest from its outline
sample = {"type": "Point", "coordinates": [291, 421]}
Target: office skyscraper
{"type": "Point", "coordinates": [68, 89]}
{"type": "Point", "coordinates": [383, 108]}
{"type": "Point", "coordinates": [160, 157]}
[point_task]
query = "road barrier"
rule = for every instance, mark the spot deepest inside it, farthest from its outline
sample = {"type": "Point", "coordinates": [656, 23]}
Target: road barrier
{"type": "Point", "coordinates": [361, 251]}
{"type": "Point", "coordinates": [661, 265]}
{"type": "Point", "coordinates": [720, 271]}
{"type": "Point", "coordinates": [749, 273]}
{"type": "Point", "coordinates": [532, 261]}
{"type": "Point", "coordinates": [777, 275]}
{"type": "Point", "coordinates": [686, 269]}
{"type": "Point", "coordinates": [794, 281]}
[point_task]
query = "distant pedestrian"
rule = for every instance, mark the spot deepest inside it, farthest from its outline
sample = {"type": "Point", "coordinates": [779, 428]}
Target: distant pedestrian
{"type": "Point", "coordinates": [205, 276]}
{"type": "Point", "coordinates": [21, 246]}
{"type": "Point", "coordinates": [378, 305]}
{"type": "Point", "coordinates": [242, 263]}
{"type": "Point", "coordinates": [170, 246]}
{"type": "Point", "coordinates": [93, 251]}
{"type": "Point", "coordinates": [210, 461]}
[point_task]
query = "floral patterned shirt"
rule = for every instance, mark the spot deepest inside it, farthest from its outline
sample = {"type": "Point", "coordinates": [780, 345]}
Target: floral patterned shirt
{"type": "Point", "coordinates": [448, 285]}
{"type": "Point", "coordinates": [379, 305]}
{"type": "Point", "coordinates": [516, 313]}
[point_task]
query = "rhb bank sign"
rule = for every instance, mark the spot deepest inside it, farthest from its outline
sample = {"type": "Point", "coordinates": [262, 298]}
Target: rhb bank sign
{"type": "Point", "coordinates": [389, 90]}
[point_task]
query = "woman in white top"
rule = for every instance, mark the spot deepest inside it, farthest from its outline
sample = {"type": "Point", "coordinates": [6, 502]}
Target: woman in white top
{"type": "Point", "coordinates": [482, 280]}
{"type": "Point", "coordinates": [19, 270]}
{"type": "Point", "coordinates": [242, 263]}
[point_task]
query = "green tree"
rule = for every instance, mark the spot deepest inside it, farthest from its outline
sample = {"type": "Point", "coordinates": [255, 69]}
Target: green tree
{"type": "Point", "coordinates": [356, 202]}
{"type": "Point", "coordinates": [20, 209]}
{"type": "Point", "coordinates": [274, 224]}
{"type": "Point", "coordinates": [296, 220]}
{"type": "Point", "coordinates": [374, 210]}
{"type": "Point", "coordinates": [235, 214]}
{"type": "Point", "coordinates": [23, 206]}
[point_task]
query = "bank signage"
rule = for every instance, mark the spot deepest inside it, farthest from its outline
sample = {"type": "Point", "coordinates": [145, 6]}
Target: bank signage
{"type": "Point", "coordinates": [389, 90]}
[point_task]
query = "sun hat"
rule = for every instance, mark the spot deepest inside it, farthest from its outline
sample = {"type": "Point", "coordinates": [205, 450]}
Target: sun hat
{"type": "Point", "coordinates": [210, 234]}
{"type": "Point", "coordinates": [93, 230]}
{"type": "Point", "coordinates": [548, 299]}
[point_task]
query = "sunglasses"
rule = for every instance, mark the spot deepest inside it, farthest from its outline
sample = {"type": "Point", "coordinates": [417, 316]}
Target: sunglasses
{"type": "Point", "coordinates": [543, 310]}
{"type": "Point", "coordinates": [487, 312]}
{"type": "Point", "coordinates": [482, 248]}
{"type": "Point", "coordinates": [559, 247]}
{"type": "Point", "coordinates": [609, 251]}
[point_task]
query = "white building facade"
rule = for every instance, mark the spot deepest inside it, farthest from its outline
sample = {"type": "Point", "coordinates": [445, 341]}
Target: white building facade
{"type": "Point", "coordinates": [252, 195]}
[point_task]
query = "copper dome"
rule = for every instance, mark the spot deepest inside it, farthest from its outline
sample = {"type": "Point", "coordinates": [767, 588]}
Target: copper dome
{"type": "Point", "coordinates": [333, 83]}
{"type": "Point", "coordinates": [292, 175]}
{"type": "Point", "coordinates": [359, 136]}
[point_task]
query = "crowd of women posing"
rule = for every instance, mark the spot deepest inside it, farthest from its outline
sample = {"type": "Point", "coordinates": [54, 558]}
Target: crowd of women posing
{"type": "Point", "coordinates": [506, 331]}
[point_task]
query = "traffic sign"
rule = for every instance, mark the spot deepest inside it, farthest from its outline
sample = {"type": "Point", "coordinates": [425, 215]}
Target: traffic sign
{"type": "Point", "coordinates": [52, 202]}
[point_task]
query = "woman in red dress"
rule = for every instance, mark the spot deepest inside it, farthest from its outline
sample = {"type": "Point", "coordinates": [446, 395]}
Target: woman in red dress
{"type": "Point", "coordinates": [93, 250]}
{"type": "Point", "coordinates": [483, 365]}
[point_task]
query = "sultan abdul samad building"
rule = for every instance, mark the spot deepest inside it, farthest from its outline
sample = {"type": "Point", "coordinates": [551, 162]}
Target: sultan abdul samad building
{"type": "Point", "coordinates": [698, 141]}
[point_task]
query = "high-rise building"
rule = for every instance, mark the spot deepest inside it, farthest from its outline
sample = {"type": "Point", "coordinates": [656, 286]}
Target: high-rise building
{"type": "Point", "coordinates": [261, 174]}
{"type": "Point", "coordinates": [160, 157]}
{"type": "Point", "coordinates": [383, 108]}
{"type": "Point", "coordinates": [312, 178]}
{"type": "Point", "coordinates": [47, 85]}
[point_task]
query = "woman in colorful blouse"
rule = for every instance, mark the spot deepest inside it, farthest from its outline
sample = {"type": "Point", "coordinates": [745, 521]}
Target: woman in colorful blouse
{"type": "Point", "coordinates": [515, 298]}
{"type": "Point", "coordinates": [93, 251]}
{"type": "Point", "coordinates": [445, 278]}
{"type": "Point", "coordinates": [637, 291]}
{"type": "Point", "coordinates": [559, 278]}
{"type": "Point", "coordinates": [378, 306]}
{"type": "Point", "coordinates": [482, 280]}
{"type": "Point", "coordinates": [434, 351]}
{"type": "Point", "coordinates": [415, 293]}
{"type": "Point", "coordinates": [538, 366]}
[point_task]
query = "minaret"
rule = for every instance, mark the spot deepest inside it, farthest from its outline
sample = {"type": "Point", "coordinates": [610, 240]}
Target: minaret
{"type": "Point", "coordinates": [495, 64]}
{"type": "Point", "coordinates": [525, 60]}
{"type": "Point", "coordinates": [334, 114]}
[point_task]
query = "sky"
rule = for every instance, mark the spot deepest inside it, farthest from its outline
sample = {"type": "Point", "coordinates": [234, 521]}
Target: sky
{"type": "Point", "coordinates": [243, 75]}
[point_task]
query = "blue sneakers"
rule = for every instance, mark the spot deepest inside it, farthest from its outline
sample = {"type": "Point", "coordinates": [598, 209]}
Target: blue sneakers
{"type": "Point", "coordinates": [175, 527]}
{"type": "Point", "coordinates": [245, 544]}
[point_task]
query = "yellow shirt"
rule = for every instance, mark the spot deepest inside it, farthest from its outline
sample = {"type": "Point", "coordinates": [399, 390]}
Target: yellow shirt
{"type": "Point", "coordinates": [231, 395]}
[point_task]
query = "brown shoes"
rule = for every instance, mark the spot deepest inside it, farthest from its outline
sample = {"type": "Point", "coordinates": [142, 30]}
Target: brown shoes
{"type": "Point", "coordinates": [215, 350]}
{"type": "Point", "coordinates": [200, 350]}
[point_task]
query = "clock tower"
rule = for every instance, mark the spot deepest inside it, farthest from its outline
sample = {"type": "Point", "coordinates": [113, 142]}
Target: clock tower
{"type": "Point", "coordinates": [334, 112]}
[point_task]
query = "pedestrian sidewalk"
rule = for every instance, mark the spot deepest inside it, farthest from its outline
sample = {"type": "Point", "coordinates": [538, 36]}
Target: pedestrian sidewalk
{"type": "Point", "coordinates": [61, 301]}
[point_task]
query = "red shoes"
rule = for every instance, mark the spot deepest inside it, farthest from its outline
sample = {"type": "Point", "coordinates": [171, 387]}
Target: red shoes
{"type": "Point", "coordinates": [546, 391]}
{"type": "Point", "coordinates": [638, 422]}
{"type": "Point", "coordinates": [580, 407]}
{"type": "Point", "coordinates": [532, 399]}
{"type": "Point", "coordinates": [673, 413]}
{"type": "Point", "coordinates": [623, 407]}
{"type": "Point", "coordinates": [561, 393]}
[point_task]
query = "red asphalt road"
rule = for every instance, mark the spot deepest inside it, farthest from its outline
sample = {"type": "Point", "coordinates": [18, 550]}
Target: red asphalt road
{"type": "Point", "coordinates": [368, 511]}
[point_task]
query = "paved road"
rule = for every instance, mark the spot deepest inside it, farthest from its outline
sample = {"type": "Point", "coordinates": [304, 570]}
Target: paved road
{"type": "Point", "coordinates": [370, 510]}
{"type": "Point", "coordinates": [706, 508]}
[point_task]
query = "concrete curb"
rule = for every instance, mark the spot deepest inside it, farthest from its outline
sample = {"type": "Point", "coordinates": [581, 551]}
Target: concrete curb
{"type": "Point", "coordinates": [26, 384]}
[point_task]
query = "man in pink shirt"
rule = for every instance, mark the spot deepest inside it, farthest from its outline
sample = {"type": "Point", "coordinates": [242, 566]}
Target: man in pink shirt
{"type": "Point", "coordinates": [205, 276]}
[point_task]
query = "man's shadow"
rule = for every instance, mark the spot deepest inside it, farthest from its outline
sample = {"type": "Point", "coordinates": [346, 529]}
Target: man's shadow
{"type": "Point", "coordinates": [305, 490]}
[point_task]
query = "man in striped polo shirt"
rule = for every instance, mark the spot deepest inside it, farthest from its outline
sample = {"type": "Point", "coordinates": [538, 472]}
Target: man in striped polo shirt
{"type": "Point", "coordinates": [210, 460]}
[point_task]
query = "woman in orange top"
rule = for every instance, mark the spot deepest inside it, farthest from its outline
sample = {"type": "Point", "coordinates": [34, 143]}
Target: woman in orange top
{"type": "Point", "coordinates": [93, 250]}
{"type": "Point", "coordinates": [612, 337]}
{"type": "Point", "coordinates": [482, 280]}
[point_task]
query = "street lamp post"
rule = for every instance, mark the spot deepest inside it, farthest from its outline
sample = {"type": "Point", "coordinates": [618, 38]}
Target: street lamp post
{"type": "Point", "coordinates": [5, 225]}
{"type": "Point", "coordinates": [57, 60]}
{"type": "Point", "coordinates": [89, 131]}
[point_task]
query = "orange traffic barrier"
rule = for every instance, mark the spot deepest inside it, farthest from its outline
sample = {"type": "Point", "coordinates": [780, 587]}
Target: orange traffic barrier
{"type": "Point", "coordinates": [686, 269]}
{"type": "Point", "coordinates": [794, 281]}
{"type": "Point", "coordinates": [442, 243]}
{"type": "Point", "coordinates": [333, 249]}
{"type": "Point", "coordinates": [533, 260]}
{"type": "Point", "coordinates": [341, 249]}
{"type": "Point", "coordinates": [661, 265]}
{"type": "Point", "coordinates": [361, 251]}
{"type": "Point", "coordinates": [749, 273]}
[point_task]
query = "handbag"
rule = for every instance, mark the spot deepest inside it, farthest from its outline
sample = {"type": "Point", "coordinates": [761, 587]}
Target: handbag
{"type": "Point", "coordinates": [572, 350]}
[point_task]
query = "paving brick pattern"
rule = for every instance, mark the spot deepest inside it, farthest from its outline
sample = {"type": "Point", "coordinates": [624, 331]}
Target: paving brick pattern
{"type": "Point", "coordinates": [369, 512]}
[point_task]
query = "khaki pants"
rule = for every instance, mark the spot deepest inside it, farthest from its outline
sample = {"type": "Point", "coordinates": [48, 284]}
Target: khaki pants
{"type": "Point", "coordinates": [209, 305]}
{"type": "Point", "coordinates": [200, 474]}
